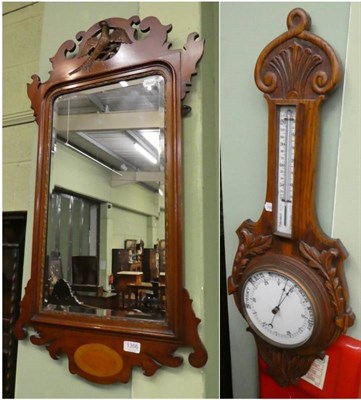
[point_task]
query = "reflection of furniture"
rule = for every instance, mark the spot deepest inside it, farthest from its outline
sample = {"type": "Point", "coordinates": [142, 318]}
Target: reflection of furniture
{"type": "Point", "coordinates": [120, 260]}
{"type": "Point", "coordinates": [158, 290]}
{"type": "Point", "coordinates": [103, 300]}
{"type": "Point", "coordinates": [162, 258]}
{"type": "Point", "coordinates": [162, 277]}
{"type": "Point", "coordinates": [13, 237]}
{"type": "Point", "coordinates": [149, 265]}
{"type": "Point", "coordinates": [135, 266]}
{"type": "Point", "coordinates": [62, 295]}
{"type": "Point", "coordinates": [85, 273]}
{"type": "Point", "coordinates": [54, 272]}
{"type": "Point", "coordinates": [123, 279]}
{"type": "Point", "coordinates": [130, 244]}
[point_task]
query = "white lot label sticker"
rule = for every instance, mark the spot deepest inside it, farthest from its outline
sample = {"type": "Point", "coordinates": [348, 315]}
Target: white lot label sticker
{"type": "Point", "coordinates": [131, 347]}
{"type": "Point", "coordinates": [317, 373]}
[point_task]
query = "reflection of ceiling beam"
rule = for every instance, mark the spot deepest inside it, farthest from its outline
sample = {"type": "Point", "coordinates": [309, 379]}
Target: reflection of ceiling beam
{"type": "Point", "coordinates": [110, 121]}
{"type": "Point", "coordinates": [96, 101]}
{"type": "Point", "coordinates": [106, 150]}
{"type": "Point", "coordinates": [136, 176]}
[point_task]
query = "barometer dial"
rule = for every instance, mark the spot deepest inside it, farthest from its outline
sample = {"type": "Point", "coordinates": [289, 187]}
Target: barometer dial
{"type": "Point", "coordinates": [278, 308]}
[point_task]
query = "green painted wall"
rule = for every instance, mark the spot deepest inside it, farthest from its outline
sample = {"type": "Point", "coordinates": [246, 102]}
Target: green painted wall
{"type": "Point", "coordinates": [347, 209]}
{"type": "Point", "coordinates": [200, 161]}
{"type": "Point", "coordinates": [246, 28]}
{"type": "Point", "coordinates": [48, 26]}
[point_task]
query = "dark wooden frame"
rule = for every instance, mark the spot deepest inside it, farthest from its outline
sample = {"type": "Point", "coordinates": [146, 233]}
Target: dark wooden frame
{"type": "Point", "coordinates": [17, 221]}
{"type": "Point", "coordinates": [84, 338]}
{"type": "Point", "coordinates": [297, 68]}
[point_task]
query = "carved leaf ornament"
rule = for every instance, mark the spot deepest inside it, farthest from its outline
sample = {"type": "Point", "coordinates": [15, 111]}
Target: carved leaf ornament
{"type": "Point", "coordinates": [324, 263]}
{"type": "Point", "coordinates": [250, 246]}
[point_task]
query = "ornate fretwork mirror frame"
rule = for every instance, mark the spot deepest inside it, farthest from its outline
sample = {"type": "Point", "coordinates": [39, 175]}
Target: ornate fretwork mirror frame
{"type": "Point", "coordinates": [100, 349]}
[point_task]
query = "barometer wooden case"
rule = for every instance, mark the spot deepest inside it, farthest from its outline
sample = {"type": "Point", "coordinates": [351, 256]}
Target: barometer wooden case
{"type": "Point", "coordinates": [287, 279]}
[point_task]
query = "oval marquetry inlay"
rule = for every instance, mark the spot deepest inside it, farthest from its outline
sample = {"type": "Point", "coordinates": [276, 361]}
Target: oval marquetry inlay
{"type": "Point", "coordinates": [98, 360]}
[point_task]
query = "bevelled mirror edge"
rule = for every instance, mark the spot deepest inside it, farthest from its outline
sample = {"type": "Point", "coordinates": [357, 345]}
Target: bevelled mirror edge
{"type": "Point", "coordinates": [141, 343]}
{"type": "Point", "coordinates": [90, 136]}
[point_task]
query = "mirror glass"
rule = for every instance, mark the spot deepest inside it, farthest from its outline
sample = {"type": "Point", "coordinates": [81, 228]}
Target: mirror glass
{"type": "Point", "coordinates": [105, 243]}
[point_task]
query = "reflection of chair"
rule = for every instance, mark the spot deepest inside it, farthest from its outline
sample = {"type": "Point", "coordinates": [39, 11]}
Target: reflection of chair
{"type": "Point", "coordinates": [150, 302]}
{"type": "Point", "coordinates": [85, 273]}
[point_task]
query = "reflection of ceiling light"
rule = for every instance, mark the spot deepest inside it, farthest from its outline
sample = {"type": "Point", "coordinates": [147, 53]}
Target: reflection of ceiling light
{"type": "Point", "coordinates": [160, 192]}
{"type": "Point", "coordinates": [152, 136]}
{"type": "Point", "coordinates": [123, 167]}
{"type": "Point", "coordinates": [148, 83]}
{"type": "Point", "coordinates": [53, 150]}
{"type": "Point", "coordinates": [145, 153]}
{"type": "Point", "coordinates": [123, 83]}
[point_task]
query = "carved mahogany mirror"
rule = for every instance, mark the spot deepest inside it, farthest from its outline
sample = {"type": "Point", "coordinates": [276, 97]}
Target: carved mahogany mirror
{"type": "Point", "coordinates": [106, 281]}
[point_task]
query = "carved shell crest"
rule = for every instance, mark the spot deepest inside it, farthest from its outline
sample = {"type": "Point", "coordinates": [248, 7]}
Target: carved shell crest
{"type": "Point", "coordinates": [297, 64]}
{"type": "Point", "coordinates": [294, 66]}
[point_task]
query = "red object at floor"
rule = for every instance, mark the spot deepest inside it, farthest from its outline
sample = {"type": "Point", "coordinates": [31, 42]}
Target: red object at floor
{"type": "Point", "coordinates": [342, 380]}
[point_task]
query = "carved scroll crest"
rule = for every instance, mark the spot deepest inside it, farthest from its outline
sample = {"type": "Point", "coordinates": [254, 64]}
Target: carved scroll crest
{"type": "Point", "coordinates": [297, 56]}
{"type": "Point", "coordinates": [109, 45]}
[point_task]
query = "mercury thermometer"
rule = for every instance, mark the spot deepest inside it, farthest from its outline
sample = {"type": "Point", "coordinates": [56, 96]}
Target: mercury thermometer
{"type": "Point", "coordinates": [285, 167]}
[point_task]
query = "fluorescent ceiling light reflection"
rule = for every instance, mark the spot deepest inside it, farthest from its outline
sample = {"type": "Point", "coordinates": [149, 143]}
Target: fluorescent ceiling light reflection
{"type": "Point", "coordinates": [145, 153]}
{"type": "Point", "coordinates": [152, 136]}
{"type": "Point", "coordinates": [123, 83]}
{"type": "Point", "coordinates": [160, 192]}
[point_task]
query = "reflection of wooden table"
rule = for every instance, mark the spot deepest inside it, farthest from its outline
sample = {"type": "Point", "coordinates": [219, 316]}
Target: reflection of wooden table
{"type": "Point", "coordinates": [123, 279]}
{"type": "Point", "coordinates": [137, 288]}
{"type": "Point", "coordinates": [104, 300]}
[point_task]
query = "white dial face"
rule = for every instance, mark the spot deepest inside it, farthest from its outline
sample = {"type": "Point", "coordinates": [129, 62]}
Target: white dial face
{"type": "Point", "coordinates": [286, 159]}
{"type": "Point", "coordinates": [278, 308]}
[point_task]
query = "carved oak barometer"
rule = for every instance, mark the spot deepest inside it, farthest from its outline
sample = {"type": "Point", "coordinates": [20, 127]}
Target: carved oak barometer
{"type": "Point", "coordinates": [109, 169]}
{"type": "Point", "coordinates": [287, 279]}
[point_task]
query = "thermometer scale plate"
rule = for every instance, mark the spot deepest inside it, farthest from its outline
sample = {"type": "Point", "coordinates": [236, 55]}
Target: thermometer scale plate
{"type": "Point", "coordinates": [285, 169]}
